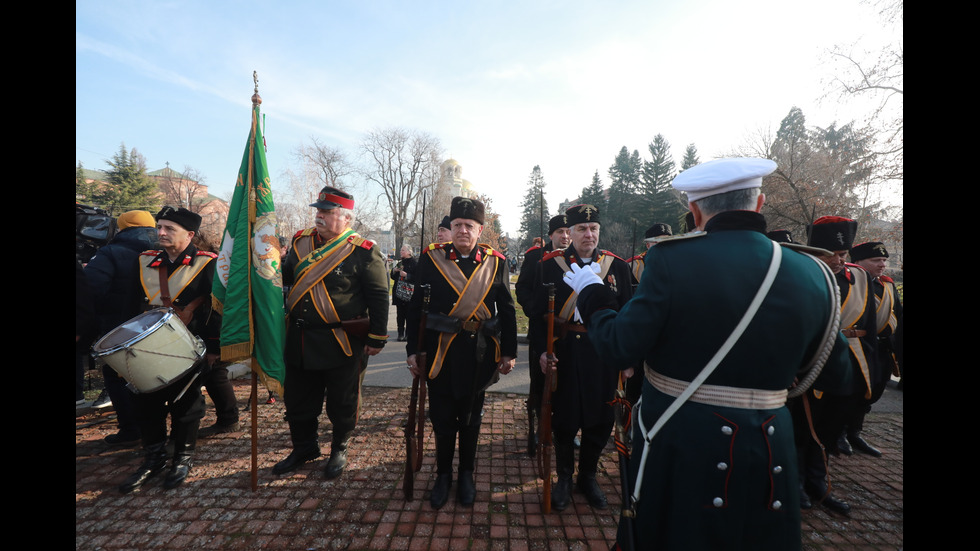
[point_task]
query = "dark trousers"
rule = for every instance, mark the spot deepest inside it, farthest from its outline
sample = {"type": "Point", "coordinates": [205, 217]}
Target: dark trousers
{"type": "Point", "coordinates": [451, 416]}
{"type": "Point", "coordinates": [401, 313]}
{"type": "Point", "coordinates": [185, 414]}
{"type": "Point", "coordinates": [536, 387]}
{"type": "Point", "coordinates": [222, 394]}
{"type": "Point", "coordinates": [306, 389]}
{"type": "Point", "coordinates": [123, 401]}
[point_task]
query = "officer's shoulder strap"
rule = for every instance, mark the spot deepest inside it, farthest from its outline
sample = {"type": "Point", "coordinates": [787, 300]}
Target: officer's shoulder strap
{"type": "Point", "coordinates": [553, 254]}
{"type": "Point", "coordinates": [610, 253]}
{"type": "Point", "coordinates": [492, 251]}
{"type": "Point", "coordinates": [359, 241]}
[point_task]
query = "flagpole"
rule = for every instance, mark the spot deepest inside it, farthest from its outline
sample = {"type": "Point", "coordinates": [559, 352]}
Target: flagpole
{"type": "Point", "coordinates": [256, 101]}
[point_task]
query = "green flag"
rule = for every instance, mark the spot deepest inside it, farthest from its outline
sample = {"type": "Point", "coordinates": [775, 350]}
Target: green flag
{"type": "Point", "coordinates": [248, 287]}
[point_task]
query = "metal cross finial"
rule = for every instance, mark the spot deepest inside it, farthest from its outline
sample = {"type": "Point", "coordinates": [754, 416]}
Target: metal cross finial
{"type": "Point", "coordinates": [256, 99]}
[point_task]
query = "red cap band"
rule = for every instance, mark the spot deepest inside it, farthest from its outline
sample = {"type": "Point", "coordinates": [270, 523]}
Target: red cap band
{"type": "Point", "coordinates": [342, 201]}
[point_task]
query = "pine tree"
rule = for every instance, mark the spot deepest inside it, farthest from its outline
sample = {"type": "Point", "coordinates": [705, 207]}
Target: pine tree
{"type": "Point", "coordinates": [534, 210]}
{"type": "Point", "coordinates": [129, 188]}
{"type": "Point", "coordinates": [593, 194]}
{"type": "Point", "coordinates": [690, 158]}
{"type": "Point", "coordinates": [659, 201]}
{"type": "Point", "coordinates": [625, 174]}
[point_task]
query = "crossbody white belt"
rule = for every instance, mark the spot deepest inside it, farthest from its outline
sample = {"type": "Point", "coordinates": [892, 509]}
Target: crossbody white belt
{"type": "Point", "coordinates": [716, 395]}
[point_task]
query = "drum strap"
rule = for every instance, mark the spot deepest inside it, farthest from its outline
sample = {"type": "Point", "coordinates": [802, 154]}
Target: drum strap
{"type": "Point", "coordinates": [185, 313]}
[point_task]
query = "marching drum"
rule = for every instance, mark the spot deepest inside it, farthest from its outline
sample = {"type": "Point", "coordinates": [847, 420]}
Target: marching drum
{"type": "Point", "coordinates": [151, 350]}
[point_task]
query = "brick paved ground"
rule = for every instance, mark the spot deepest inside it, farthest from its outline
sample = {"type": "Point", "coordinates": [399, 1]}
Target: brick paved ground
{"type": "Point", "coordinates": [364, 509]}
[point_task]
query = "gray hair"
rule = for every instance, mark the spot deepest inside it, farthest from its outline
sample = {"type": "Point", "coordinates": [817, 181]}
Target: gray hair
{"type": "Point", "coordinates": [349, 214]}
{"type": "Point", "coordinates": [739, 199]}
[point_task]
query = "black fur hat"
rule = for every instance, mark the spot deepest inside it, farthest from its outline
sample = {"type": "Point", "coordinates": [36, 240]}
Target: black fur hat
{"type": "Point", "coordinates": [582, 214]}
{"type": "Point", "coordinates": [190, 221]}
{"type": "Point", "coordinates": [464, 207]}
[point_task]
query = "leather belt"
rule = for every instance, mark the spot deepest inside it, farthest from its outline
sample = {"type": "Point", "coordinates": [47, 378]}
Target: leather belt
{"type": "Point", "coordinates": [574, 327]}
{"type": "Point", "coordinates": [471, 325]}
{"type": "Point", "coordinates": [716, 395]}
{"type": "Point", "coordinates": [853, 333]}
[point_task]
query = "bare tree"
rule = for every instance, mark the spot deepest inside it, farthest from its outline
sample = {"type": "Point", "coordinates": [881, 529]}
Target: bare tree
{"type": "Point", "coordinates": [183, 189]}
{"type": "Point", "coordinates": [403, 163]}
{"type": "Point", "coordinates": [877, 77]}
{"type": "Point", "coordinates": [821, 171]}
{"type": "Point", "coordinates": [331, 163]}
{"type": "Point", "coordinates": [322, 165]}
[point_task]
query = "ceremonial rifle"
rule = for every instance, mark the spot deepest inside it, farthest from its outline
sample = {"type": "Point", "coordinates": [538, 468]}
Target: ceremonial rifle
{"type": "Point", "coordinates": [621, 407]}
{"type": "Point", "coordinates": [414, 427]}
{"type": "Point", "coordinates": [544, 428]}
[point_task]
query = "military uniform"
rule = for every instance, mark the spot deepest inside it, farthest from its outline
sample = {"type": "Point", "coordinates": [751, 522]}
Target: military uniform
{"type": "Point", "coordinates": [585, 384]}
{"type": "Point", "coordinates": [524, 292]}
{"type": "Point", "coordinates": [188, 291]}
{"type": "Point", "coordinates": [330, 283]}
{"type": "Point", "coordinates": [461, 359]}
{"type": "Point", "coordinates": [832, 405]}
{"type": "Point", "coordinates": [721, 473]}
{"type": "Point", "coordinates": [717, 476]}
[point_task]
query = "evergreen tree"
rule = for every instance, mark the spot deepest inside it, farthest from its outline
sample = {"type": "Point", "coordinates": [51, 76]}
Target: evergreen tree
{"type": "Point", "coordinates": [128, 187]}
{"type": "Point", "coordinates": [660, 201]}
{"type": "Point", "coordinates": [534, 210]}
{"type": "Point", "coordinates": [593, 193]}
{"type": "Point", "coordinates": [623, 209]}
{"type": "Point", "coordinates": [625, 174]}
{"type": "Point", "coordinates": [83, 189]}
{"type": "Point", "coordinates": [690, 158]}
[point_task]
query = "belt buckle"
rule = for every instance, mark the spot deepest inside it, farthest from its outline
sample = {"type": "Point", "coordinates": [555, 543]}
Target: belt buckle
{"type": "Point", "coordinates": [471, 325]}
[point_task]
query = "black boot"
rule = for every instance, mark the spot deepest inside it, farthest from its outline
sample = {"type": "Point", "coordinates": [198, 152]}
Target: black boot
{"type": "Point", "coordinates": [588, 485]}
{"type": "Point", "coordinates": [440, 490]}
{"type": "Point", "coordinates": [844, 446]}
{"type": "Point", "coordinates": [154, 462]}
{"type": "Point", "coordinates": [305, 446]}
{"type": "Point", "coordinates": [179, 471]}
{"type": "Point", "coordinates": [588, 464]}
{"type": "Point", "coordinates": [185, 440]}
{"type": "Point", "coordinates": [561, 492]}
{"type": "Point", "coordinates": [468, 439]}
{"type": "Point", "coordinates": [338, 459]}
{"type": "Point", "coordinates": [859, 444]}
{"type": "Point", "coordinates": [466, 489]}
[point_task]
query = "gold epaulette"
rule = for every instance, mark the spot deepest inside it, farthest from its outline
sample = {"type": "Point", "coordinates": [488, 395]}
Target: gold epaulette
{"type": "Point", "coordinates": [359, 241]}
{"type": "Point", "coordinates": [610, 253]}
{"type": "Point", "coordinates": [491, 250]}
{"type": "Point", "coordinates": [676, 237]}
{"type": "Point", "coordinates": [552, 254]}
{"type": "Point", "coordinates": [306, 232]}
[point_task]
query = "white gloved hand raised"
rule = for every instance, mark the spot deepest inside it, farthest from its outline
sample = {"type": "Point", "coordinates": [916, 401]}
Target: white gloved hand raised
{"type": "Point", "coordinates": [579, 278]}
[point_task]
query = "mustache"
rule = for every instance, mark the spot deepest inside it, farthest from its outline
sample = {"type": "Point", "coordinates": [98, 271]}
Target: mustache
{"type": "Point", "coordinates": [318, 222]}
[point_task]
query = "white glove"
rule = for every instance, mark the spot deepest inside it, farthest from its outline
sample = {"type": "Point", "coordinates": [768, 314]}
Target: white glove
{"type": "Point", "coordinates": [579, 278]}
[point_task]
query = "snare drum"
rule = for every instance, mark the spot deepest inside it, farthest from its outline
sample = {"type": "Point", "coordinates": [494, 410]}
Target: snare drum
{"type": "Point", "coordinates": [151, 350]}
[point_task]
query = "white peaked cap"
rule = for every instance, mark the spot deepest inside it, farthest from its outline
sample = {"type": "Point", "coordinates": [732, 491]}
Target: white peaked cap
{"type": "Point", "coordinates": [721, 175]}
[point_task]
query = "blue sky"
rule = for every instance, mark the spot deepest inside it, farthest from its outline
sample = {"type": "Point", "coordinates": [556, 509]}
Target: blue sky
{"type": "Point", "coordinates": [504, 85]}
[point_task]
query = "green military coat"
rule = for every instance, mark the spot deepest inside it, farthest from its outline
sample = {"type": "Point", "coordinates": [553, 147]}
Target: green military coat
{"type": "Point", "coordinates": [717, 477]}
